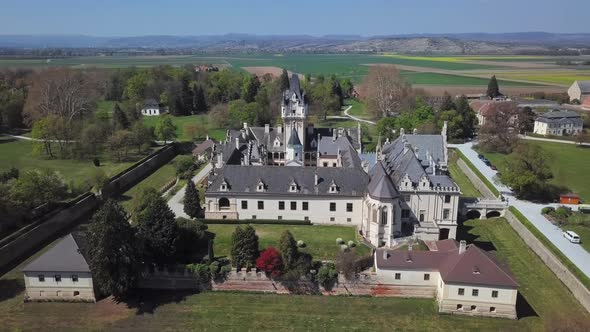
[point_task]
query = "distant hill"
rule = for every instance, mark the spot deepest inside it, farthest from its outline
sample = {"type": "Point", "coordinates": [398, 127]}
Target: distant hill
{"type": "Point", "coordinates": [463, 43]}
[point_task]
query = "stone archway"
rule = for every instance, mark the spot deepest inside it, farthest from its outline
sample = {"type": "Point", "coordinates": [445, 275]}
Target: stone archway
{"type": "Point", "coordinates": [443, 234]}
{"type": "Point", "coordinates": [493, 214]}
{"type": "Point", "coordinates": [473, 214]}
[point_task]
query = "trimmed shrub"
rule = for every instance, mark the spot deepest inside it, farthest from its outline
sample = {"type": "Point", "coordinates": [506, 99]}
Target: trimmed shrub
{"type": "Point", "coordinates": [301, 244]}
{"type": "Point", "coordinates": [327, 276]}
{"type": "Point", "coordinates": [351, 244]}
{"type": "Point", "coordinates": [547, 210]}
{"type": "Point", "coordinates": [339, 241]}
{"type": "Point", "coordinates": [344, 247]}
{"type": "Point", "coordinates": [201, 271]}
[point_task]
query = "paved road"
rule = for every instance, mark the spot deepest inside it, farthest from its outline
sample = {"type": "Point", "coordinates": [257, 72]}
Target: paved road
{"type": "Point", "coordinates": [575, 252]}
{"type": "Point", "coordinates": [532, 138]}
{"type": "Point", "coordinates": [175, 203]}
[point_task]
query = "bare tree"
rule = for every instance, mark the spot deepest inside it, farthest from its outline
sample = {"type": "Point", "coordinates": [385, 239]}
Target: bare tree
{"type": "Point", "coordinates": [385, 90]}
{"type": "Point", "coordinates": [498, 133]}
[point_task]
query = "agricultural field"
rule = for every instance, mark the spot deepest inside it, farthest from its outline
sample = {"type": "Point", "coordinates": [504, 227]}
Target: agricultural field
{"type": "Point", "coordinates": [551, 77]}
{"type": "Point", "coordinates": [569, 164]}
{"type": "Point", "coordinates": [18, 153]}
{"type": "Point", "coordinates": [320, 241]}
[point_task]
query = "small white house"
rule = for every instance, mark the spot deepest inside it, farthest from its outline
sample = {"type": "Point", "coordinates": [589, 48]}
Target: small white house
{"type": "Point", "coordinates": [60, 274]}
{"type": "Point", "coordinates": [466, 279]}
{"type": "Point", "coordinates": [151, 108]}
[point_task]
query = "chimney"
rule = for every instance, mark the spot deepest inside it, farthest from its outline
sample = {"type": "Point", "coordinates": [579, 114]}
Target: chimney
{"type": "Point", "coordinates": [462, 246]}
{"type": "Point", "coordinates": [415, 131]}
{"type": "Point", "coordinates": [334, 134]}
{"type": "Point", "coordinates": [245, 125]}
{"type": "Point", "coordinates": [444, 130]}
{"type": "Point", "coordinates": [280, 129]}
{"type": "Point", "coordinates": [267, 128]}
{"type": "Point", "coordinates": [385, 255]}
{"type": "Point", "coordinates": [402, 131]}
{"type": "Point", "coordinates": [316, 179]}
{"type": "Point", "coordinates": [237, 143]}
{"type": "Point", "coordinates": [207, 138]}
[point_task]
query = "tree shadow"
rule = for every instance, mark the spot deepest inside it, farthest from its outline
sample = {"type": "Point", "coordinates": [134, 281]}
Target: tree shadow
{"type": "Point", "coordinates": [148, 301]}
{"type": "Point", "coordinates": [7, 139]}
{"type": "Point", "coordinates": [10, 288]}
{"type": "Point", "coordinates": [523, 308]}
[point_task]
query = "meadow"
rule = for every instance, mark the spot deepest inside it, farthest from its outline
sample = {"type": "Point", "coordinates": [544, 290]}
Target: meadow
{"type": "Point", "coordinates": [181, 121]}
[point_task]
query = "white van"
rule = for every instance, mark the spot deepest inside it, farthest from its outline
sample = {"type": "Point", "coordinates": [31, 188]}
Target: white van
{"type": "Point", "coordinates": [571, 236]}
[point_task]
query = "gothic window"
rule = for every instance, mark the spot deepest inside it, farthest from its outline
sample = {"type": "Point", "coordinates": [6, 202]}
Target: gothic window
{"type": "Point", "coordinates": [384, 216]}
{"type": "Point", "coordinates": [224, 203]}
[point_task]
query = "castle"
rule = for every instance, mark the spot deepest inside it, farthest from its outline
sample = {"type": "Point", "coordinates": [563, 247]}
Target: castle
{"type": "Point", "coordinates": [299, 172]}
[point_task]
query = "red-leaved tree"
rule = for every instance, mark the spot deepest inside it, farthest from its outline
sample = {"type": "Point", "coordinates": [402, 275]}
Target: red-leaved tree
{"type": "Point", "coordinates": [270, 261]}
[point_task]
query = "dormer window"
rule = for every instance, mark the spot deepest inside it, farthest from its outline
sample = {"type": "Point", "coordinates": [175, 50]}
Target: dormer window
{"type": "Point", "coordinates": [224, 186]}
{"type": "Point", "coordinates": [293, 187]}
{"type": "Point", "coordinates": [333, 188]}
{"type": "Point", "coordinates": [277, 142]}
{"type": "Point", "coordinates": [313, 144]}
{"type": "Point", "coordinates": [260, 187]}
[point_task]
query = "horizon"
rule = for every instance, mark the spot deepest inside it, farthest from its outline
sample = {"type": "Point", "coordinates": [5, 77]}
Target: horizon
{"type": "Point", "coordinates": [111, 18]}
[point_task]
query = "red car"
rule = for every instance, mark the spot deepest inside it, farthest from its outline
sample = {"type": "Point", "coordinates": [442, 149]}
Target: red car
{"type": "Point", "coordinates": [493, 167]}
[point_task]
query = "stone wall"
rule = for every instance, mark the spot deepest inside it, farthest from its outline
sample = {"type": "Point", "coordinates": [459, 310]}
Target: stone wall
{"type": "Point", "coordinates": [366, 284]}
{"type": "Point", "coordinates": [47, 230]}
{"type": "Point", "coordinates": [479, 184]}
{"type": "Point", "coordinates": [580, 292]}
{"type": "Point", "coordinates": [123, 181]}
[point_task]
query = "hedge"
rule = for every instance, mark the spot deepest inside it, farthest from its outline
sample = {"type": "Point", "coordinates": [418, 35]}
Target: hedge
{"type": "Point", "coordinates": [254, 221]}
{"type": "Point", "coordinates": [478, 173]}
{"type": "Point", "coordinates": [549, 245]}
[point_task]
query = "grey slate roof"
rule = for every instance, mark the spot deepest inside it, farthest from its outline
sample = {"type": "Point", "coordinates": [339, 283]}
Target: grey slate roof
{"type": "Point", "coordinates": [584, 86]}
{"type": "Point", "coordinates": [330, 147]}
{"type": "Point", "coordinates": [294, 138]}
{"type": "Point", "coordinates": [380, 185]}
{"type": "Point", "coordinates": [151, 103]}
{"type": "Point", "coordinates": [244, 179]}
{"type": "Point", "coordinates": [560, 116]}
{"type": "Point", "coordinates": [294, 86]}
{"type": "Point", "coordinates": [66, 256]}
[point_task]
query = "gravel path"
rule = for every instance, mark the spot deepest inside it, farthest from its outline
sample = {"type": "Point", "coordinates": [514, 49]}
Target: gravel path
{"type": "Point", "coordinates": [175, 203]}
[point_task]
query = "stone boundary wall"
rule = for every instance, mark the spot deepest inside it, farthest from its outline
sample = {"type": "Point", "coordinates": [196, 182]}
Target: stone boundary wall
{"type": "Point", "coordinates": [123, 181]}
{"type": "Point", "coordinates": [580, 292]}
{"type": "Point", "coordinates": [483, 189]}
{"type": "Point", "coordinates": [366, 284]}
{"type": "Point", "coordinates": [47, 230]}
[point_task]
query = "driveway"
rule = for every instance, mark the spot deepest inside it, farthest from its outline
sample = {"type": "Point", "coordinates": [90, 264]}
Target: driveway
{"type": "Point", "coordinates": [575, 252]}
{"type": "Point", "coordinates": [175, 203]}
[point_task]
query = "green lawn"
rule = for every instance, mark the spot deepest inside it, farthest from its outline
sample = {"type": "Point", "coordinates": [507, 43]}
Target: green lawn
{"type": "Point", "coordinates": [17, 153]}
{"type": "Point", "coordinates": [569, 163]}
{"type": "Point", "coordinates": [320, 240]}
{"type": "Point", "coordinates": [467, 187]}
{"type": "Point", "coordinates": [358, 108]}
{"type": "Point", "coordinates": [105, 106]}
{"type": "Point", "coordinates": [543, 291]}
{"type": "Point", "coordinates": [457, 80]}
{"type": "Point", "coordinates": [181, 121]}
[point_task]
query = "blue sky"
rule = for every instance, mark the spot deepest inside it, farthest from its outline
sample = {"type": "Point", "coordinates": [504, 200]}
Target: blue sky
{"type": "Point", "coordinates": [314, 17]}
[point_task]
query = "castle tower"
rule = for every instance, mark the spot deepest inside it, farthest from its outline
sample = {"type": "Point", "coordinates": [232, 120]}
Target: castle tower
{"type": "Point", "coordinates": [294, 156]}
{"type": "Point", "coordinates": [294, 111]}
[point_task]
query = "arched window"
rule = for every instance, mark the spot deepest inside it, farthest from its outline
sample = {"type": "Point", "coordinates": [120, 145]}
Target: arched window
{"type": "Point", "coordinates": [384, 216]}
{"type": "Point", "coordinates": [223, 203]}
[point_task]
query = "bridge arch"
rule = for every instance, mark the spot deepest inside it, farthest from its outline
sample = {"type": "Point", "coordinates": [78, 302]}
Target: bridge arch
{"type": "Point", "coordinates": [493, 214]}
{"type": "Point", "coordinates": [473, 214]}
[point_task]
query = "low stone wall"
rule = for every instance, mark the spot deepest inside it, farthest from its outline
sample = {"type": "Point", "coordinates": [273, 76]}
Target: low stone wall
{"type": "Point", "coordinates": [47, 230]}
{"type": "Point", "coordinates": [483, 189]}
{"type": "Point", "coordinates": [580, 292]}
{"type": "Point", "coordinates": [123, 181]}
{"type": "Point", "coordinates": [221, 215]}
{"type": "Point", "coordinates": [366, 284]}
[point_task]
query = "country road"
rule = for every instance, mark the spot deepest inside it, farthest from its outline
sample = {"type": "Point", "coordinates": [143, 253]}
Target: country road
{"type": "Point", "coordinates": [175, 203]}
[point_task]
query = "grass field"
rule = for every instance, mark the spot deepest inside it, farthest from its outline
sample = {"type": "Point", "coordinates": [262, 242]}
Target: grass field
{"type": "Point", "coordinates": [458, 80]}
{"type": "Point", "coordinates": [358, 109]}
{"type": "Point", "coordinates": [224, 311]}
{"type": "Point", "coordinates": [563, 78]}
{"type": "Point", "coordinates": [467, 187]}
{"type": "Point", "coordinates": [569, 163]}
{"type": "Point", "coordinates": [18, 153]}
{"type": "Point", "coordinates": [320, 240]}
{"type": "Point", "coordinates": [180, 121]}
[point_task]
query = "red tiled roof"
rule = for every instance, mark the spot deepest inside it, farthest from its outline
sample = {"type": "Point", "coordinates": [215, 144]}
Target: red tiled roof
{"type": "Point", "coordinates": [474, 266]}
{"type": "Point", "coordinates": [485, 107]}
{"type": "Point", "coordinates": [208, 144]}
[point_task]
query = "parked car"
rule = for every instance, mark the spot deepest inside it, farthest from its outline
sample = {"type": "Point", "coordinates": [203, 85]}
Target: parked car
{"type": "Point", "coordinates": [493, 167]}
{"type": "Point", "coordinates": [571, 236]}
{"type": "Point", "coordinates": [481, 157]}
{"type": "Point", "coordinates": [487, 162]}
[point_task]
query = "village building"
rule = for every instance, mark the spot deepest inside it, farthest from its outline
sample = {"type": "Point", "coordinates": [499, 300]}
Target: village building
{"type": "Point", "coordinates": [558, 123]}
{"type": "Point", "coordinates": [151, 108]}
{"type": "Point", "coordinates": [204, 150]}
{"type": "Point", "coordinates": [298, 172]}
{"type": "Point", "coordinates": [60, 274]}
{"type": "Point", "coordinates": [467, 279]}
{"type": "Point", "coordinates": [484, 109]}
{"type": "Point", "coordinates": [579, 90]}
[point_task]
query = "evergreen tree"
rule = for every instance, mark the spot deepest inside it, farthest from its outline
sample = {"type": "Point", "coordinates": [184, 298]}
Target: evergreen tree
{"type": "Point", "coordinates": [192, 201]}
{"type": "Point", "coordinates": [113, 255]}
{"type": "Point", "coordinates": [120, 120]}
{"type": "Point", "coordinates": [284, 81]}
{"type": "Point", "coordinates": [200, 101]}
{"type": "Point", "coordinates": [447, 103]}
{"type": "Point", "coordinates": [193, 240]}
{"type": "Point", "coordinates": [158, 230]}
{"type": "Point", "coordinates": [493, 88]}
{"type": "Point", "coordinates": [468, 117]}
{"type": "Point", "coordinates": [288, 249]}
{"type": "Point", "coordinates": [250, 88]}
{"type": "Point", "coordinates": [186, 98]}
{"type": "Point", "coordinates": [244, 249]}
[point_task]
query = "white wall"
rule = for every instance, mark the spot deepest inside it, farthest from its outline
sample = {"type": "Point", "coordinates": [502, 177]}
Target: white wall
{"type": "Point", "coordinates": [408, 278]}
{"type": "Point", "coordinates": [505, 296]}
{"type": "Point", "coordinates": [318, 208]}
{"type": "Point", "coordinates": [84, 279]}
